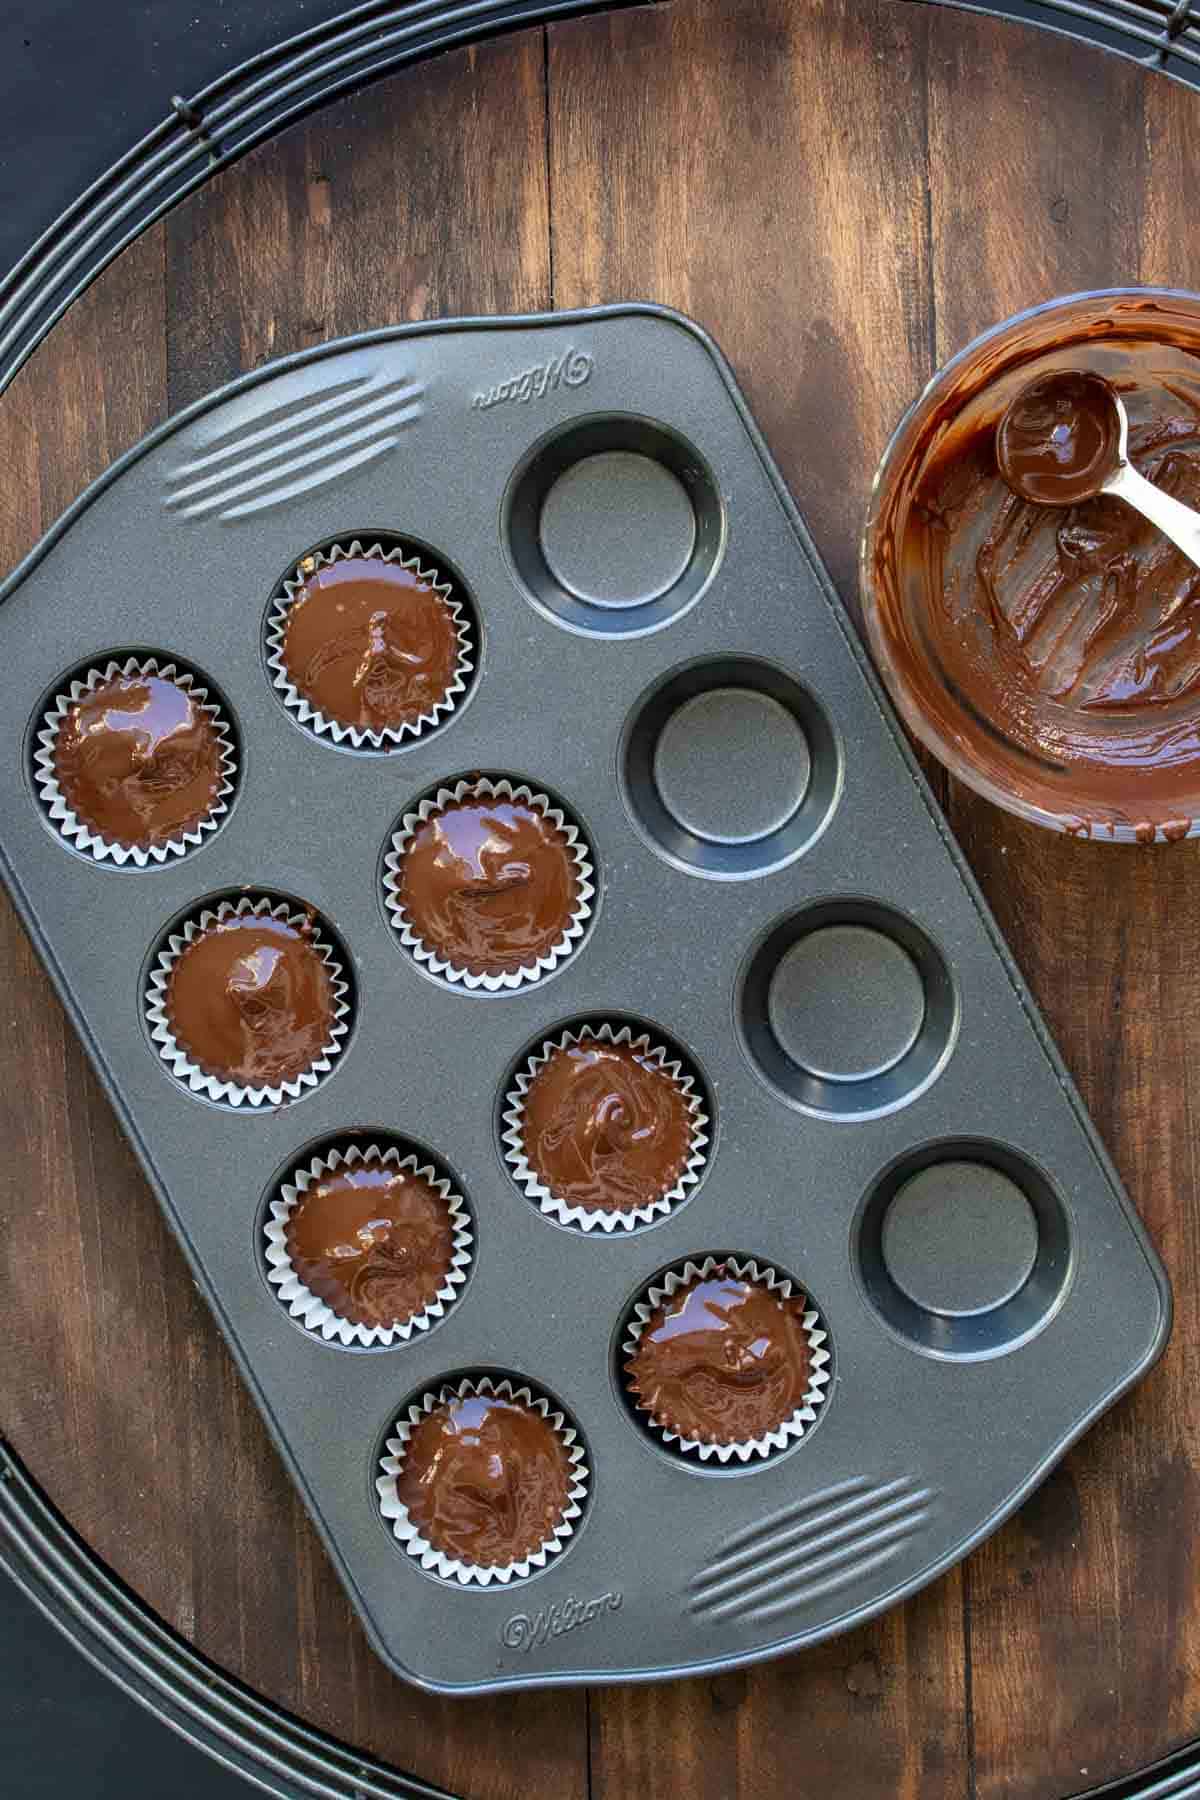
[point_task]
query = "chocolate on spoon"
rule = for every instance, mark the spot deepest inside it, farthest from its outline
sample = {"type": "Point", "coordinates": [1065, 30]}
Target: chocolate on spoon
{"type": "Point", "coordinates": [1065, 438]}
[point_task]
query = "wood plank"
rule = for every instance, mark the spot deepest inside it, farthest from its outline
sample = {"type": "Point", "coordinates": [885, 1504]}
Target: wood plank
{"type": "Point", "coordinates": [725, 160]}
{"type": "Point", "coordinates": [1061, 176]}
{"type": "Point", "coordinates": [416, 197]}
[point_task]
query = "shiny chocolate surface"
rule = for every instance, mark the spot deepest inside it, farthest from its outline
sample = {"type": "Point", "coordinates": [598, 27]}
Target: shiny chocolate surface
{"type": "Point", "coordinates": [723, 1360]}
{"type": "Point", "coordinates": [489, 884]}
{"type": "Point", "coordinates": [604, 1127]}
{"type": "Point", "coordinates": [250, 1000]}
{"type": "Point", "coordinates": [485, 1479]}
{"type": "Point", "coordinates": [373, 1241]}
{"type": "Point", "coordinates": [370, 643]}
{"type": "Point", "coordinates": [138, 760]}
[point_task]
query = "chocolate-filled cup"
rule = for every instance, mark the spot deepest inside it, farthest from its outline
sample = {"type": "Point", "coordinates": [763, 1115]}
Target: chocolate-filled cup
{"type": "Point", "coordinates": [358, 1262]}
{"type": "Point", "coordinates": [488, 884]}
{"type": "Point", "coordinates": [604, 1130]}
{"type": "Point", "coordinates": [535, 1476]}
{"type": "Point", "coordinates": [367, 647]}
{"type": "Point", "coordinates": [248, 1004]}
{"type": "Point", "coordinates": [135, 761]}
{"type": "Point", "coordinates": [713, 1365]}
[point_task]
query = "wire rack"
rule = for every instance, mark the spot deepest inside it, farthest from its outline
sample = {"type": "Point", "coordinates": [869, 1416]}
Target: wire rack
{"type": "Point", "coordinates": [205, 131]}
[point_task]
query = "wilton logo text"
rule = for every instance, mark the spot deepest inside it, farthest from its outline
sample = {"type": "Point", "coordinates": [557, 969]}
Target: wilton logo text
{"type": "Point", "coordinates": [522, 1632]}
{"type": "Point", "coordinates": [571, 369]}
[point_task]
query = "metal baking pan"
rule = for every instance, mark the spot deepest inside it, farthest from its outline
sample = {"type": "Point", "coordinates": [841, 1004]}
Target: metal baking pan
{"type": "Point", "coordinates": [970, 1344]}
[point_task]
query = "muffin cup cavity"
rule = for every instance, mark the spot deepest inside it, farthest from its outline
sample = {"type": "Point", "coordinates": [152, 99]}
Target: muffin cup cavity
{"type": "Point", "coordinates": [614, 525]}
{"type": "Point", "coordinates": [603, 1219]}
{"type": "Point", "coordinates": [730, 768]}
{"type": "Point", "coordinates": [305, 711]}
{"type": "Point", "coordinates": [791, 1429]}
{"type": "Point", "coordinates": [75, 830]}
{"type": "Point", "coordinates": [216, 1087]}
{"type": "Point", "coordinates": [484, 787]}
{"type": "Point", "coordinates": [318, 1315]}
{"type": "Point", "coordinates": [407, 1533]}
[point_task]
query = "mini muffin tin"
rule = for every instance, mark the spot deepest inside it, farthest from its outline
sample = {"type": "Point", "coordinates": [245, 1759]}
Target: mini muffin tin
{"type": "Point", "coordinates": [777, 901]}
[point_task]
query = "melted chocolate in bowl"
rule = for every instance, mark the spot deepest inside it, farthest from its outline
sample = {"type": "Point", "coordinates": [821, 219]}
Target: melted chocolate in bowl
{"type": "Point", "coordinates": [1050, 656]}
{"type": "Point", "coordinates": [1059, 440]}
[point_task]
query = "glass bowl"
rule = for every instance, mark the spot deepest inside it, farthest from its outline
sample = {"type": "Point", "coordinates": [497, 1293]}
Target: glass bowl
{"type": "Point", "coordinates": [1049, 657]}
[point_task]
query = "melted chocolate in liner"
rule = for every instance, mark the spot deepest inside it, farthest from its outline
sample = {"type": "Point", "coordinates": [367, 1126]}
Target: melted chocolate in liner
{"type": "Point", "coordinates": [485, 1480]}
{"type": "Point", "coordinates": [489, 884]}
{"type": "Point", "coordinates": [722, 1360]}
{"type": "Point", "coordinates": [138, 761]}
{"type": "Point", "coordinates": [251, 1001]}
{"type": "Point", "coordinates": [1059, 440]}
{"type": "Point", "coordinates": [603, 1127]}
{"type": "Point", "coordinates": [1058, 648]}
{"type": "Point", "coordinates": [373, 1241]}
{"type": "Point", "coordinates": [370, 643]}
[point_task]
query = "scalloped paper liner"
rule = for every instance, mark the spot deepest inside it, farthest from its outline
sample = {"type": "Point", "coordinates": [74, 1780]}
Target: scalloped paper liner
{"type": "Point", "coordinates": [528, 972]}
{"type": "Point", "coordinates": [792, 1428]}
{"type": "Point", "coordinates": [316, 1314]}
{"type": "Point", "coordinates": [310, 715]}
{"type": "Point", "coordinates": [600, 1218]}
{"type": "Point", "coordinates": [215, 1087]}
{"type": "Point", "coordinates": [407, 1533]}
{"type": "Point", "coordinates": [76, 829]}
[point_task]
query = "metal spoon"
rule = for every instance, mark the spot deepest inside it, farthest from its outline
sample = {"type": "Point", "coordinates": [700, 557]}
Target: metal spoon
{"type": "Point", "coordinates": [1065, 438]}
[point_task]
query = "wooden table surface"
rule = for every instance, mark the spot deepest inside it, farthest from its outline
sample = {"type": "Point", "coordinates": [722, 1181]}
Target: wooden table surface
{"type": "Point", "coordinates": [843, 192]}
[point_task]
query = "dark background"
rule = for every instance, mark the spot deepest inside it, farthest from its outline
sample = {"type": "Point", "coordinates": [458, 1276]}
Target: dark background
{"type": "Point", "coordinates": [84, 80]}
{"type": "Point", "coordinates": [67, 1730]}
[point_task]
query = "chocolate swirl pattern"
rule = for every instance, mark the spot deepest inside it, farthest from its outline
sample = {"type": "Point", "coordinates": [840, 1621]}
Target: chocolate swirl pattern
{"type": "Point", "coordinates": [726, 1359]}
{"type": "Point", "coordinates": [368, 646]}
{"type": "Point", "coordinates": [135, 762]}
{"type": "Point", "coordinates": [489, 885]}
{"type": "Point", "coordinates": [483, 1482]}
{"type": "Point", "coordinates": [247, 1003]}
{"type": "Point", "coordinates": [368, 1246]}
{"type": "Point", "coordinates": [605, 1130]}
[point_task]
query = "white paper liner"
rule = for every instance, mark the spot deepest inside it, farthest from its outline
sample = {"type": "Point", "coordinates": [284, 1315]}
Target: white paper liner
{"type": "Point", "coordinates": [449, 1567]}
{"type": "Point", "coordinates": [499, 790]}
{"type": "Point", "coordinates": [55, 802]}
{"type": "Point", "coordinates": [215, 1086]}
{"type": "Point", "coordinates": [316, 1314]}
{"type": "Point", "coordinates": [792, 1428]}
{"type": "Point", "coordinates": [600, 1218]}
{"type": "Point", "coordinates": [309, 714]}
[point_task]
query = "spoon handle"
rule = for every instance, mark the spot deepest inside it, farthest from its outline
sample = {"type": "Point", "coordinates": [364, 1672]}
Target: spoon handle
{"type": "Point", "coordinates": [1177, 521]}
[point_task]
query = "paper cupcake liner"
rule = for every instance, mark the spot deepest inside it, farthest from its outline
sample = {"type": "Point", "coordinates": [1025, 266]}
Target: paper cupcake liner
{"type": "Point", "coordinates": [791, 1428]}
{"type": "Point", "coordinates": [311, 715]}
{"type": "Point", "coordinates": [316, 1314]}
{"type": "Point", "coordinates": [76, 829]}
{"type": "Point", "coordinates": [599, 1218]}
{"type": "Point", "coordinates": [415, 945]}
{"type": "Point", "coordinates": [215, 1087]}
{"type": "Point", "coordinates": [408, 1534]}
